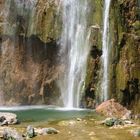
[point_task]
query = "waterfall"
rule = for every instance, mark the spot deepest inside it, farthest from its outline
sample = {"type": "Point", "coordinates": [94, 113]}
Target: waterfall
{"type": "Point", "coordinates": [106, 51]}
{"type": "Point", "coordinates": [74, 49]}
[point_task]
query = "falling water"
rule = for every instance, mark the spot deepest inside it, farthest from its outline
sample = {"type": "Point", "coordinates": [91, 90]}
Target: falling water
{"type": "Point", "coordinates": [106, 50]}
{"type": "Point", "coordinates": [75, 42]}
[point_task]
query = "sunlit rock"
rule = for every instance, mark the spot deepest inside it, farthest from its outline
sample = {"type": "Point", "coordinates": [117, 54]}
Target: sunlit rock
{"type": "Point", "coordinates": [30, 132]}
{"type": "Point", "coordinates": [111, 108]}
{"type": "Point", "coordinates": [8, 118]}
{"type": "Point", "coordinates": [136, 132]}
{"type": "Point", "coordinates": [11, 134]}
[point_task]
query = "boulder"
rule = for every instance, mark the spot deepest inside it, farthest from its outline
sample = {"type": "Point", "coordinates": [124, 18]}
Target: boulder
{"type": "Point", "coordinates": [8, 118]}
{"type": "Point", "coordinates": [117, 122]}
{"type": "Point", "coordinates": [113, 122]}
{"type": "Point", "coordinates": [11, 134]}
{"type": "Point", "coordinates": [109, 121]}
{"type": "Point", "coordinates": [30, 132]}
{"type": "Point", "coordinates": [51, 130]}
{"type": "Point", "coordinates": [45, 131]}
{"type": "Point", "coordinates": [136, 117]}
{"type": "Point", "coordinates": [136, 132]}
{"type": "Point", "coordinates": [111, 108]}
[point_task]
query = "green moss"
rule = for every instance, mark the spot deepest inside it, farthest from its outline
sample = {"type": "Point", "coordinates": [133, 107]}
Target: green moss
{"type": "Point", "coordinates": [136, 25]}
{"type": "Point", "coordinates": [90, 69]}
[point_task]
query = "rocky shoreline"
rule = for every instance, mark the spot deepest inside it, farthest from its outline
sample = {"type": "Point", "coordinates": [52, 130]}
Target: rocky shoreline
{"type": "Point", "coordinates": [114, 117]}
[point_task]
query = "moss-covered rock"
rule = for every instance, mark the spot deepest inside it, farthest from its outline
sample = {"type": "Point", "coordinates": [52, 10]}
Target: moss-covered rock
{"type": "Point", "coordinates": [29, 18]}
{"type": "Point", "coordinates": [125, 65]}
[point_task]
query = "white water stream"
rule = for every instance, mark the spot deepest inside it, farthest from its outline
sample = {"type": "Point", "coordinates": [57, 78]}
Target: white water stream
{"type": "Point", "coordinates": [106, 51]}
{"type": "Point", "coordinates": [74, 41]}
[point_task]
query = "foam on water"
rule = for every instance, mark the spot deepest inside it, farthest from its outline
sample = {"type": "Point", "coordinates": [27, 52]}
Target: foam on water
{"type": "Point", "coordinates": [33, 107]}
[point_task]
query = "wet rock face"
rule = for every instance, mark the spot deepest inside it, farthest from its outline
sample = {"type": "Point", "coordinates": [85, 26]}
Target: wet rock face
{"type": "Point", "coordinates": [125, 66]}
{"type": "Point", "coordinates": [29, 71]}
{"type": "Point", "coordinates": [130, 13]}
{"type": "Point", "coordinates": [27, 18]}
{"type": "Point", "coordinates": [124, 56]}
{"type": "Point", "coordinates": [128, 70]}
{"type": "Point", "coordinates": [29, 58]}
{"type": "Point", "coordinates": [89, 99]}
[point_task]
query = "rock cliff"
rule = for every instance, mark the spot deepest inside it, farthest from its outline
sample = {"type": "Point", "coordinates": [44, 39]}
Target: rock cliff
{"type": "Point", "coordinates": [124, 74]}
{"type": "Point", "coordinates": [29, 52]}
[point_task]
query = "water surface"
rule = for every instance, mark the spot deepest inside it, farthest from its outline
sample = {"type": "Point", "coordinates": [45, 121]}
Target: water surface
{"type": "Point", "coordinates": [46, 113]}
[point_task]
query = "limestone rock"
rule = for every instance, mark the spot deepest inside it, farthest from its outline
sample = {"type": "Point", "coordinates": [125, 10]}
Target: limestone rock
{"type": "Point", "coordinates": [28, 38]}
{"type": "Point", "coordinates": [51, 130]}
{"type": "Point", "coordinates": [115, 122]}
{"type": "Point", "coordinates": [45, 131]}
{"type": "Point", "coordinates": [136, 132]}
{"type": "Point", "coordinates": [30, 132]}
{"type": "Point", "coordinates": [8, 118]}
{"type": "Point", "coordinates": [11, 134]}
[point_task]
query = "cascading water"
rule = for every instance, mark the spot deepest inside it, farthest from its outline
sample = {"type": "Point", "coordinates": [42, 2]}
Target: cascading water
{"type": "Point", "coordinates": [106, 51]}
{"type": "Point", "coordinates": [75, 42]}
